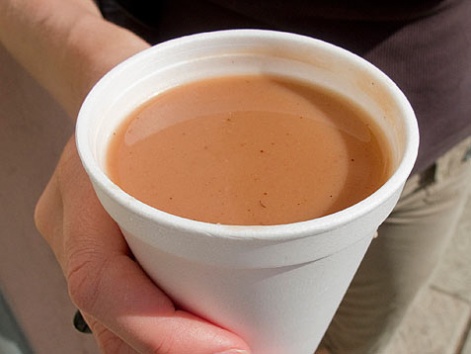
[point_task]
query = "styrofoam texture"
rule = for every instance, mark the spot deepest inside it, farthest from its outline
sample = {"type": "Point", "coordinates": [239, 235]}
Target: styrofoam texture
{"type": "Point", "coordinates": [276, 286]}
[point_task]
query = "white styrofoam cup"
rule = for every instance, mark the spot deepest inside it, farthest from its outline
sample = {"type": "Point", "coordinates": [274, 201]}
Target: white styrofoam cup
{"type": "Point", "coordinates": [277, 287]}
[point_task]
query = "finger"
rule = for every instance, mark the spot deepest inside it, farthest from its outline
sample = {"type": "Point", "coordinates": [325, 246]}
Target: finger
{"type": "Point", "coordinates": [121, 297]}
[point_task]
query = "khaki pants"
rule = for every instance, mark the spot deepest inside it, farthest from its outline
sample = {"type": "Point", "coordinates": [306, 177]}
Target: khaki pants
{"type": "Point", "coordinates": [402, 258]}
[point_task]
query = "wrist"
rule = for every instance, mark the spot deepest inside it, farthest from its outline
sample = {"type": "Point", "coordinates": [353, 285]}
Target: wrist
{"type": "Point", "coordinates": [94, 47]}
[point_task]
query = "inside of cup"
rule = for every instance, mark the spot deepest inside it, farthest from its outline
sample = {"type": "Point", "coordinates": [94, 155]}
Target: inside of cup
{"type": "Point", "coordinates": [166, 66]}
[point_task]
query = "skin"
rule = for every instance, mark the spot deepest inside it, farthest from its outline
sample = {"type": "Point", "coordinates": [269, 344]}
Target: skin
{"type": "Point", "coordinates": [67, 46]}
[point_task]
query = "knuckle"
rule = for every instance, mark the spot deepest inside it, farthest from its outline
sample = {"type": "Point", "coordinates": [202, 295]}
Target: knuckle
{"type": "Point", "coordinates": [39, 220]}
{"type": "Point", "coordinates": [48, 211]}
{"type": "Point", "coordinates": [83, 280]}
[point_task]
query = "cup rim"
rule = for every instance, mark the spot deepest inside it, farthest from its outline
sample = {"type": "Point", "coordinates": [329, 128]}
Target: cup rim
{"type": "Point", "coordinates": [273, 232]}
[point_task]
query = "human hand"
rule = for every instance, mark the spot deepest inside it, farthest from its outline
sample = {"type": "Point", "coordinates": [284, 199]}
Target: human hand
{"type": "Point", "coordinates": [126, 311]}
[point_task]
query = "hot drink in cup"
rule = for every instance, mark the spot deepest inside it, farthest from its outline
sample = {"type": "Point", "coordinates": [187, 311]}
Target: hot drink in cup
{"type": "Point", "coordinates": [248, 171]}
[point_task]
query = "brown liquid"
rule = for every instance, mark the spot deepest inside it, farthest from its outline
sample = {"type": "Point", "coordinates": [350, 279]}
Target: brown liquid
{"type": "Point", "coordinates": [250, 150]}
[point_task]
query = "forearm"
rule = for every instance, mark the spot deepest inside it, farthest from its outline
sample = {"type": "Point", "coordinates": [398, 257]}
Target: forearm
{"type": "Point", "coordinates": [65, 44]}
